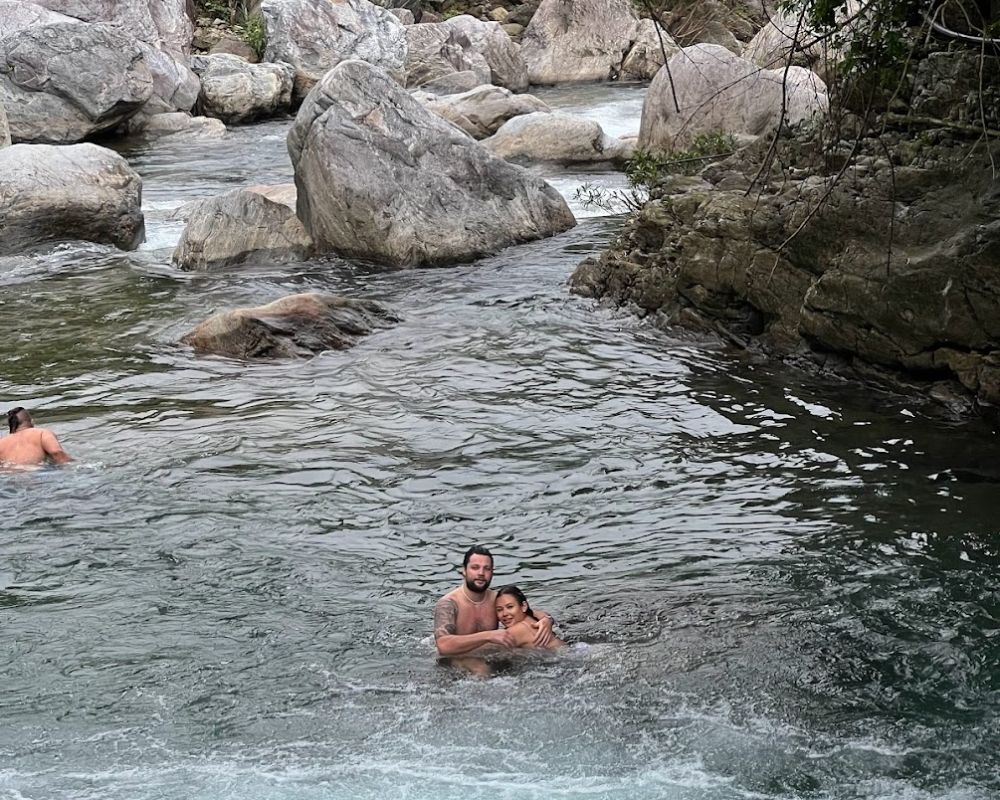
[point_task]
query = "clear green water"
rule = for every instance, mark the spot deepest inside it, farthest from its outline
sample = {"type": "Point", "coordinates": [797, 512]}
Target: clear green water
{"type": "Point", "coordinates": [789, 587]}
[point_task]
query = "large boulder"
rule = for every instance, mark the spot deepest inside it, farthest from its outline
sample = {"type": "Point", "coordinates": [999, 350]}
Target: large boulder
{"type": "Point", "coordinates": [717, 91]}
{"type": "Point", "coordinates": [234, 91]}
{"type": "Point", "coordinates": [294, 326]}
{"type": "Point", "coordinates": [559, 138]}
{"type": "Point", "coordinates": [81, 192]}
{"type": "Point", "coordinates": [381, 177]}
{"type": "Point", "coordinates": [646, 55]}
{"type": "Point", "coordinates": [584, 40]}
{"type": "Point", "coordinates": [491, 43]}
{"type": "Point", "coordinates": [239, 226]}
{"type": "Point", "coordinates": [175, 86]}
{"type": "Point", "coordinates": [17, 15]}
{"type": "Point", "coordinates": [481, 111]}
{"type": "Point", "coordinates": [65, 81]}
{"type": "Point", "coordinates": [162, 23]}
{"type": "Point", "coordinates": [316, 35]}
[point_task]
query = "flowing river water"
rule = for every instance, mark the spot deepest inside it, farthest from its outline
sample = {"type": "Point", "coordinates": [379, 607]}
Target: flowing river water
{"type": "Point", "coordinates": [789, 586]}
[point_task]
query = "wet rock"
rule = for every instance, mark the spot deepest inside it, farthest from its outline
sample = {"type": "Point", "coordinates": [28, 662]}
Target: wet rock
{"type": "Point", "coordinates": [295, 326]}
{"type": "Point", "coordinates": [558, 138]}
{"type": "Point", "coordinates": [581, 41]}
{"type": "Point", "coordinates": [63, 82]}
{"type": "Point", "coordinates": [234, 91]}
{"type": "Point", "coordinates": [239, 226]}
{"type": "Point", "coordinates": [80, 192]}
{"type": "Point", "coordinates": [316, 35]}
{"type": "Point", "coordinates": [718, 91]}
{"type": "Point", "coordinates": [176, 123]}
{"type": "Point", "coordinates": [381, 177]}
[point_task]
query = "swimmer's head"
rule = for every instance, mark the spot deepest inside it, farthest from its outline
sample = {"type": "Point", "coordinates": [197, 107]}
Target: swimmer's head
{"type": "Point", "coordinates": [19, 419]}
{"type": "Point", "coordinates": [476, 550]}
{"type": "Point", "coordinates": [519, 599]}
{"type": "Point", "coordinates": [477, 568]}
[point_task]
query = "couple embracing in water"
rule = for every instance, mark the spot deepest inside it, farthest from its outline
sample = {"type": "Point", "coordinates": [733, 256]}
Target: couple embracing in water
{"type": "Point", "coordinates": [467, 619]}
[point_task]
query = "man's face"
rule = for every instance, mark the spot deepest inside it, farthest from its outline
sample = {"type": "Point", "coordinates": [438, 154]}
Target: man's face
{"type": "Point", "coordinates": [478, 573]}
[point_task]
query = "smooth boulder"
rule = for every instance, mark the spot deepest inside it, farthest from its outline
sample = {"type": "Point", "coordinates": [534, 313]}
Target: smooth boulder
{"type": "Point", "coordinates": [65, 81]}
{"type": "Point", "coordinates": [239, 226]}
{"type": "Point", "coordinates": [163, 23]}
{"type": "Point", "coordinates": [558, 138]}
{"type": "Point", "coordinates": [235, 91]}
{"type": "Point", "coordinates": [381, 177]}
{"type": "Point", "coordinates": [294, 326]}
{"type": "Point", "coordinates": [481, 111]}
{"type": "Point", "coordinates": [585, 40]}
{"type": "Point", "coordinates": [718, 91]}
{"type": "Point", "coordinates": [316, 35]}
{"type": "Point", "coordinates": [177, 123]}
{"type": "Point", "coordinates": [78, 192]}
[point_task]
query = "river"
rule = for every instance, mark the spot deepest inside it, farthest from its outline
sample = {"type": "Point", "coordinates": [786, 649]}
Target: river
{"type": "Point", "coordinates": [788, 586]}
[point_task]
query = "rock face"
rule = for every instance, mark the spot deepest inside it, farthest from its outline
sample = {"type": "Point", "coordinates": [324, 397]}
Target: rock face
{"type": "Point", "coordinates": [234, 91]}
{"type": "Point", "coordinates": [162, 23]}
{"type": "Point", "coordinates": [926, 307]}
{"type": "Point", "coordinates": [559, 138]}
{"type": "Point", "coordinates": [81, 192]}
{"type": "Point", "coordinates": [316, 35]}
{"type": "Point", "coordinates": [481, 111]}
{"type": "Point", "coordinates": [91, 78]}
{"type": "Point", "coordinates": [16, 15]}
{"type": "Point", "coordinates": [294, 326]}
{"type": "Point", "coordinates": [381, 177]}
{"type": "Point", "coordinates": [464, 44]}
{"type": "Point", "coordinates": [585, 40]}
{"type": "Point", "coordinates": [718, 91]}
{"type": "Point", "coordinates": [4, 128]}
{"type": "Point", "coordinates": [238, 226]}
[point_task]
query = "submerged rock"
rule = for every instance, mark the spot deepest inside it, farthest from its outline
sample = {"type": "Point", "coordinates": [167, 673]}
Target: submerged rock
{"type": "Point", "coordinates": [238, 226]}
{"type": "Point", "coordinates": [481, 111]}
{"type": "Point", "coordinates": [81, 191]}
{"type": "Point", "coordinates": [559, 138]}
{"type": "Point", "coordinates": [294, 326]}
{"type": "Point", "coordinates": [381, 177]}
{"type": "Point", "coordinates": [177, 123]}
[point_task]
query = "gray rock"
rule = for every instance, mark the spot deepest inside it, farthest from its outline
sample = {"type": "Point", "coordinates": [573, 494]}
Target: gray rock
{"type": "Point", "coordinates": [4, 128]}
{"type": "Point", "coordinates": [162, 23]}
{"type": "Point", "coordinates": [16, 15]}
{"type": "Point", "coordinates": [80, 192]}
{"type": "Point", "coordinates": [294, 326]}
{"type": "Point", "coordinates": [404, 15]}
{"type": "Point", "coordinates": [463, 44]}
{"type": "Point", "coordinates": [175, 123]}
{"type": "Point", "coordinates": [381, 177]}
{"type": "Point", "coordinates": [63, 82]}
{"type": "Point", "coordinates": [481, 111]}
{"type": "Point", "coordinates": [175, 86]}
{"type": "Point", "coordinates": [316, 35]}
{"type": "Point", "coordinates": [645, 56]}
{"type": "Point", "coordinates": [585, 40]}
{"type": "Point", "coordinates": [235, 91]}
{"type": "Point", "coordinates": [230, 45]}
{"type": "Point", "coordinates": [559, 138]}
{"type": "Point", "coordinates": [239, 226]}
{"type": "Point", "coordinates": [719, 91]}
{"type": "Point", "coordinates": [454, 83]}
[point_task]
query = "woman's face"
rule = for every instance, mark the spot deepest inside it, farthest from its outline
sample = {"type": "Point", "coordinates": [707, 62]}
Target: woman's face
{"type": "Point", "coordinates": [509, 611]}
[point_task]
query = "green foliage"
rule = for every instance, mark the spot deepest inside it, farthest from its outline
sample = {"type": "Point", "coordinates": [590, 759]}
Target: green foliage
{"type": "Point", "coordinates": [255, 33]}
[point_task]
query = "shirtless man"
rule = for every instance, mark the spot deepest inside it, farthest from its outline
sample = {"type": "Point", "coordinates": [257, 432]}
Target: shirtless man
{"type": "Point", "coordinates": [465, 619]}
{"type": "Point", "coordinates": [28, 445]}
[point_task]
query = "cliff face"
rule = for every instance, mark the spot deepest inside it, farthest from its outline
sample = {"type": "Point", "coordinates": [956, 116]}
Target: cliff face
{"type": "Point", "coordinates": [898, 269]}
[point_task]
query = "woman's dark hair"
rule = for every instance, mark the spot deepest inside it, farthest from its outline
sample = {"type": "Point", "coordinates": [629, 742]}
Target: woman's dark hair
{"type": "Point", "coordinates": [518, 595]}
{"type": "Point", "coordinates": [15, 418]}
{"type": "Point", "coordinates": [476, 550]}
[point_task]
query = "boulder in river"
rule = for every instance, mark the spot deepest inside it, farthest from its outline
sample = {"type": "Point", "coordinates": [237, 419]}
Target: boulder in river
{"type": "Point", "coordinates": [294, 326]}
{"type": "Point", "coordinates": [82, 192]}
{"type": "Point", "coordinates": [63, 82]}
{"type": "Point", "coordinates": [381, 177]}
{"type": "Point", "coordinates": [316, 35]}
{"type": "Point", "coordinates": [559, 138]}
{"type": "Point", "coordinates": [646, 55]}
{"type": "Point", "coordinates": [481, 111]}
{"type": "Point", "coordinates": [585, 40]}
{"type": "Point", "coordinates": [177, 123]}
{"type": "Point", "coordinates": [719, 91]}
{"type": "Point", "coordinates": [239, 226]}
{"type": "Point", "coordinates": [235, 91]}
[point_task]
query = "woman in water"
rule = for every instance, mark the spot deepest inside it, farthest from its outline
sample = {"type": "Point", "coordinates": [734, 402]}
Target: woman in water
{"type": "Point", "coordinates": [517, 617]}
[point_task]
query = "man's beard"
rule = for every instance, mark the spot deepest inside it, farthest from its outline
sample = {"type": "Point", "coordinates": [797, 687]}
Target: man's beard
{"type": "Point", "coordinates": [471, 586]}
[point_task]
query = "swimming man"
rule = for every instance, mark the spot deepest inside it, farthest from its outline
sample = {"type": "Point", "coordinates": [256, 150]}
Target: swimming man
{"type": "Point", "coordinates": [27, 445]}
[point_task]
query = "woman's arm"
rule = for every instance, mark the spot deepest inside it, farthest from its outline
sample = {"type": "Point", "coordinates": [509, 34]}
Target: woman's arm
{"type": "Point", "coordinates": [450, 643]}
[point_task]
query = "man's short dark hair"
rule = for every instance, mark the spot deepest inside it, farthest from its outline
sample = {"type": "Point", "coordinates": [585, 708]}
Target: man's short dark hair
{"type": "Point", "coordinates": [16, 417]}
{"type": "Point", "coordinates": [476, 550]}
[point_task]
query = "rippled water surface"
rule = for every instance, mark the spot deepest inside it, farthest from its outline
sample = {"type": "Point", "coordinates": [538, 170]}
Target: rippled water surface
{"type": "Point", "coordinates": [789, 587]}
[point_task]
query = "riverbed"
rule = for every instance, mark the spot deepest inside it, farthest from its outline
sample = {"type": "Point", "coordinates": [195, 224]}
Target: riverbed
{"type": "Point", "coordinates": [785, 586]}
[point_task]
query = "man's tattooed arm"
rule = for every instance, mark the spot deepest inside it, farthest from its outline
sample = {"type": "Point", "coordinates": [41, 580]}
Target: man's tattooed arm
{"type": "Point", "coordinates": [445, 618]}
